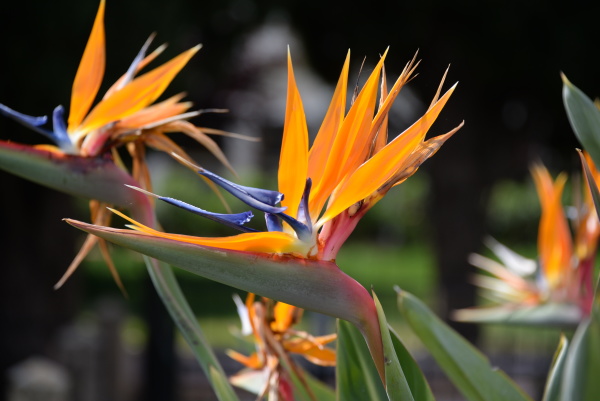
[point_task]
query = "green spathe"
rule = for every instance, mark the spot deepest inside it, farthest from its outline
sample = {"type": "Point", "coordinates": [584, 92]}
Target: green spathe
{"type": "Point", "coordinates": [314, 285]}
{"type": "Point", "coordinates": [92, 178]}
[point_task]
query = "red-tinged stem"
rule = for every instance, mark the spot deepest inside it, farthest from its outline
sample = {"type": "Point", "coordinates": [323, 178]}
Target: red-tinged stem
{"type": "Point", "coordinates": [585, 287]}
{"type": "Point", "coordinates": [335, 233]}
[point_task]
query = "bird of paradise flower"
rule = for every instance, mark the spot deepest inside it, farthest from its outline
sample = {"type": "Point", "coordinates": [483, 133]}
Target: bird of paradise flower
{"type": "Point", "coordinates": [562, 276]}
{"type": "Point", "coordinates": [124, 117]}
{"type": "Point", "coordinates": [271, 325]}
{"type": "Point", "coordinates": [323, 193]}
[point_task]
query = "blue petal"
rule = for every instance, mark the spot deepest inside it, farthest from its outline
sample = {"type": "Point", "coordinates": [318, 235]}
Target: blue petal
{"type": "Point", "coordinates": [260, 199]}
{"type": "Point", "coordinates": [61, 136]}
{"type": "Point", "coordinates": [235, 220]}
{"type": "Point", "coordinates": [136, 61]}
{"type": "Point", "coordinates": [31, 122]}
{"type": "Point", "coordinates": [303, 231]}
{"type": "Point", "coordinates": [273, 222]}
{"type": "Point", "coordinates": [303, 212]}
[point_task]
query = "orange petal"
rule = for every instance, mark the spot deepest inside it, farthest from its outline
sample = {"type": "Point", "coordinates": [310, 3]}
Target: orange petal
{"type": "Point", "coordinates": [423, 152]}
{"type": "Point", "coordinates": [49, 148]}
{"type": "Point", "coordinates": [266, 242]}
{"type": "Point", "coordinates": [197, 134]}
{"type": "Point", "coordinates": [127, 77]}
{"type": "Point", "coordinates": [376, 171]}
{"type": "Point", "coordinates": [387, 100]}
{"type": "Point", "coordinates": [381, 134]}
{"type": "Point", "coordinates": [351, 144]}
{"type": "Point", "coordinates": [137, 94]}
{"type": "Point", "coordinates": [252, 361]}
{"type": "Point", "coordinates": [157, 112]}
{"type": "Point", "coordinates": [89, 74]}
{"type": "Point", "coordinates": [312, 351]}
{"type": "Point", "coordinates": [321, 356]}
{"type": "Point", "coordinates": [554, 237]}
{"type": "Point", "coordinates": [159, 141]}
{"type": "Point", "coordinates": [87, 246]}
{"type": "Point", "coordinates": [285, 317]}
{"type": "Point", "coordinates": [293, 161]}
{"type": "Point", "coordinates": [99, 216]}
{"type": "Point", "coordinates": [321, 148]}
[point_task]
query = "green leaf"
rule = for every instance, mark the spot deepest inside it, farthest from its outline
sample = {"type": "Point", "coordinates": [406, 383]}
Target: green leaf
{"type": "Point", "coordinates": [356, 376]}
{"type": "Point", "coordinates": [414, 376]}
{"type": "Point", "coordinates": [220, 384]}
{"type": "Point", "coordinates": [582, 363]}
{"type": "Point", "coordinates": [168, 289]}
{"type": "Point", "coordinates": [396, 386]}
{"type": "Point", "coordinates": [552, 388]}
{"type": "Point", "coordinates": [589, 178]}
{"type": "Point", "coordinates": [550, 314]}
{"type": "Point", "coordinates": [321, 390]}
{"type": "Point", "coordinates": [306, 387]}
{"type": "Point", "coordinates": [584, 117]}
{"type": "Point", "coordinates": [92, 178]}
{"type": "Point", "coordinates": [466, 367]}
{"type": "Point", "coordinates": [309, 284]}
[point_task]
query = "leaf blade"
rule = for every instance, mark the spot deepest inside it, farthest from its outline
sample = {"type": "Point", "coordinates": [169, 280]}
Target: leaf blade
{"type": "Point", "coordinates": [465, 366]}
{"type": "Point", "coordinates": [166, 285]}
{"type": "Point", "coordinates": [584, 117]}
{"type": "Point", "coordinates": [356, 376]}
{"type": "Point", "coordinates": [396, 386]}
{"type": "Point", "coordinates": [552, 387]}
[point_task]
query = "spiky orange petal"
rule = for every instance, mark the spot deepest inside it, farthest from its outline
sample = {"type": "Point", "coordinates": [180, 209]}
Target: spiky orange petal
{"type": "Point", "coordinates": [267, 242]}
{"type": "Point", "coordinates": [321, 148]}
{"type": "Point", "coordinates": [554, 238]}
{"type": "Point", "coordinates": [376, 171]}
{"type": "Point", "coordinates": [157, 112]}
{"type": "Point", "coordinates": [89, 74]}
{"type": "Point", "coordinates": [137, 94]}
{"type": "Point", "coordinates": [351, 142]}
{"type": "Point", "coordinates": [284, 317]}
{"type": "Point", "coordinates": [293, 160]}
{"type": "Point", "coordinates": [123, 80]}
{"type": "Point", "coordinates": [253, 361]}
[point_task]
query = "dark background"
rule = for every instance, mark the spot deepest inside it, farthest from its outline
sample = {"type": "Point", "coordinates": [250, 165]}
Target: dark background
{"type": "Point", "coordinates": [507, 57]}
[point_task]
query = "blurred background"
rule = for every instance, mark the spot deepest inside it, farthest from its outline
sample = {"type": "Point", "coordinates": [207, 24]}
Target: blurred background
{"type": "Point", "coordinates": [507, 58]}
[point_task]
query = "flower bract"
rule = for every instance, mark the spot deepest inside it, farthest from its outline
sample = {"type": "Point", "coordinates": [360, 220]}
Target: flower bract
{"type": "Point", "coordinates": [560, 279]}
{"type": "Point", "coordinates": [126, 117]}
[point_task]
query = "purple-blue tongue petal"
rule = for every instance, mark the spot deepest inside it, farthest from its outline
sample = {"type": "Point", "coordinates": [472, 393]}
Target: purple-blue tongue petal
{"type": "Point", "coordinates": [260, 199]}
{"type": "Point", "coordinates": [59, 134]}
{"type": "Point", "coordinates": [273, 222]}
{"type": "Point", "coordinates": [233, 220]}
{"type": "Point", "coordinates": [303, 212]}
{"type": "Point", "coordinates": [30, 122]}
{"type": "Point", "coordinates": [61, 137]}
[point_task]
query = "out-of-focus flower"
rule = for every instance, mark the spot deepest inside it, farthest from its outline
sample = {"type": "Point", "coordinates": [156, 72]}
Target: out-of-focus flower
{"type": "Point", "coordinates": [125, 117]}
{"type": "Point", "coordinates": [271, 326]}
{"type": "Point", "coordinates": [327, 189]}
{"type": "Point", "coordinates": [561, 279]}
